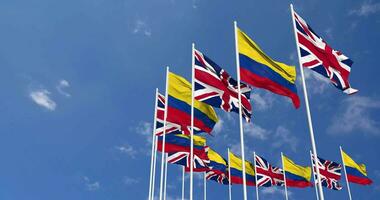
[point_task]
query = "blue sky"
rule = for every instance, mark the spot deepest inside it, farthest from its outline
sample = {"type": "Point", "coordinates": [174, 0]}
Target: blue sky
{"type": "Point", "coordinates": [78, 80]}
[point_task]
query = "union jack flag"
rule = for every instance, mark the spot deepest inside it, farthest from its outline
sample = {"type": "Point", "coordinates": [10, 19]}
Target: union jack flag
{"type": "Point", "coordinates": [201, 160]}
{"type": "Point", "coordinates": [267, 175]}
{"type": "Point", "coordinates": [330, 173]}
{"type": "Point", "coordinates": [317, 55]}
{"type": "Point", "coordinates": [170, 127]}
{"type": "Point", "coordinates": [214, 86]}
{"type": "Point", "coordinates": [217, 176]}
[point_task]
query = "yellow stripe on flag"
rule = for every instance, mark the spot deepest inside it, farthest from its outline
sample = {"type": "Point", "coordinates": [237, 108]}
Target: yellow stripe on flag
{"type": "Point", "coordinates": [213, 156]}
{"type": "Point", "coordinates": [180, 89]}
{"type": "Point", "coordinates": [235, 162]}
{"type": "Point", "coordinates": [295, 169]}
{"type": "Point", "coordinates": [250, 49]}
{"type": "Point", "coordinates": [349, 162]}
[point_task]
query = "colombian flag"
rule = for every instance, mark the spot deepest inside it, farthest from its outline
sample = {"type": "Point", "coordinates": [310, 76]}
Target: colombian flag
{"type": "Point", "coordinates": [237, 171]}
{"type": "Point", "coordinates": [296, 175]}
{"type": "Point", "coordinates": [259, 70]}
{"type": "Point", "coordinates": [179, 107]}
{"type": "Point", "coordinates": [356, 173]}
{"type": "Point", "coordinates": [179, 142]}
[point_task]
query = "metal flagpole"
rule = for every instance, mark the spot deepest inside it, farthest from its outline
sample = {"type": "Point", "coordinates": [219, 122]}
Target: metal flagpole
{"type": "Point", "coordinates": [166, 175]}
{"type": "Point", "coordinates": [164, 133]}
{"type": "Point", "coordinates": [204, 187]}
{"type": "Point", "coordinates": [192, 122]}
{"type": "Point", "coordinates": [154, 167]}
{"type": "Point", "coordinates": [345, 173]}
{"type": "Point", "coordinates": [312, 169]}
{"type": "Point", "coordinates": [283, 168]}
{"type": "Point", "coordinates": [307, 107]}
{"type": "Point", "coordinates": [257, 186]}
{"type": "Point", "coordinates": [229, 176]}
{"type": "Point", "coordinates": [240, 113]}
{"type": "Point", "coordinates": [153, 147]}
{"type": "Point", "coordinates": [183, 183]}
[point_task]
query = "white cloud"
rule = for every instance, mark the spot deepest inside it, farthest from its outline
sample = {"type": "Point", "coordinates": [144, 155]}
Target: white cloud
{"type": "Point", "coordinates": [91, 186]}
{"type": "Point", "coordinates": [141, 27]}
{"type": "Point", "coordinates": [367, 8]}
{"type": "Point", "coordinates": [274, 190]}
{"type": "Point", "coordinates": [41, 98]}
{"type": "Point", "coordinates": [283, 137]}
{"type": "Point", "coordinates": [315, 82]}
{"type": "Point", "coordinates": [61, 86]}
{"type": "Point", "coordinates": [130, 181]}
{"type": "Point", "coordinates": [355, 114]}
{"type": "Point", "coordinates": [127, 149]}
{"type": "Point", "coordinates": [255, 131]}
{"type": "Point", "coordinates": [262, 100]}
{"type": "Point", "coordinates": [145, 129]}
{"type": "Point", "coordinates": [218, 126]}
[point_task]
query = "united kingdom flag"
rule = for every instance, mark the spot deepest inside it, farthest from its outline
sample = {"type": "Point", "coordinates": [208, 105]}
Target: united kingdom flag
{"type": "Point", "coordinates": [317, 55]}
{"type": "Point", "coordinates": [330, 173]}
{"type": "Point", "coordinates": [201, 159]}
{"type": "Point", "coordinates": [214, 86]}
{"type": "Point", "coordinates": [160, 109]}
{"type": "Point", "coordinates": [217, 176]}
{"type": "Point", "coordinates": [267, 175]}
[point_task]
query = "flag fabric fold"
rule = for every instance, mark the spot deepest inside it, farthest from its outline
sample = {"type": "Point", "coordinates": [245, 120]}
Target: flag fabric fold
{"type": "Point", "coordinates": [268, 175]}
{"type": "Point", "coordinates": [171, 128]}
{"type": "Point", "coordinates": [217, 168]}
{"type": "Point", "coordinates": [318, 56]}
{"type": "Point", "coordinates": [296, 175]}
{"type": "Point", "coordinates": [329, 171]}
{"type": "Point", "coordinates": [356, 173]}
{"type": "Point", "coordinates": [237, 171]}
{"type": "Point", "coordinates": [259, 70]}
{"type": "Point", "coordinates": [214, 86]}
{"type": "Point", "coordinates": [179, 107]}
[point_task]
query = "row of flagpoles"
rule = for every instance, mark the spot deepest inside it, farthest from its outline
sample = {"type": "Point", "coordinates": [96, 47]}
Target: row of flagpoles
{"type": "Point", "coordinates": [313, 53]}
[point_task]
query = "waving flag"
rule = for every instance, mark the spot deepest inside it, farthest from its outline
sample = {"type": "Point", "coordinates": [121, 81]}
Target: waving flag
{"type": "Point", "coordinates": [237, 171]}
{"type": "Point", "coordinates": [259, 70]}
{"type": "Point", "coordinates": [214, 86]}
{"type": "Point", "coordinates": [296, 175]}
{"type": "Point", "coordinates": [217, 168]}
{"type": "Point", "coordinates": [317, 55]}
{"type": "Point", "coordinates": [179, 107]}
{"type": "Point", "coordinates": [330, 173]}
{"type": "Point", "coordinates": [356, 173]}
{"type": "Point", "coordinates": [170, 127]}
{"type": "Point", "coordinates": [200, 162]}
{"type": "Point", "coordinates": [179, 142]}
{"type": "Point", "coordinates": [267, 175]}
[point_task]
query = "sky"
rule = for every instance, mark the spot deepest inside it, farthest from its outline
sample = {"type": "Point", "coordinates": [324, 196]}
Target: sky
{"type": "Point", "coordinates": [78, 78]}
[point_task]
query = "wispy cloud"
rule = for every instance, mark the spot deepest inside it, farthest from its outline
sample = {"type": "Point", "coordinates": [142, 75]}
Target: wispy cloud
{"type": "Point", "coordinates": [255, 131]}
{"type": "Point", "coordinates": [316, 82]}
{"type": "Point", "coordinates": [218, 126]}
{"type": "Point", "coordinates": [283, 138]}
{"type": "Point", "coordinates": [127, 149]}
{"type": "Point", "coordinates": [355, 114]}
{"type": "Point", "coordinates": [130, 181]}
{"type": "Point", "coordinates": [141, 27]}
{"type": "Point", "coordinates": [91, 186]}
{"type": "Point", "coordinates": [41, 97]}
{"type": "Point", "coordinates": [366, 8]}
{"type": "Point", "coordinates": [262, 100]}
{"type": "Point", "coordinates": [61, 86]}
{"type": "Point", "coordinates": [145, 129]}
{"type": "Point", "coordinates": [274, 190]}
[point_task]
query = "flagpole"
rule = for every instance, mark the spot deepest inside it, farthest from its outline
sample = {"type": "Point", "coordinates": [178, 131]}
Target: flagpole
{"type": "Point", "coordinates": [204, 187]}
{"type": "Point", "coordinates": [257, 186]}
{"type": "Point", "coordinates": [312, 169]}
{"type": "Point", "coordinates": [164, 133]}
{"type": "Point", "coordinates": [183, 183]}
{"type": "Point", "coordinates": [307, 108]}
{"type": "Point", "coordinates": [151, 188]}
{"type": "Point", "coordinates": [345, 173]}
{"type": "Point", "coordinates": [166, 175]}
{"type": "Point", "coordinates": [229, 176]}
{"type": "Point", "coordinates": [283, 167]}
{"type": "Point", "coordinates": [192, 122]}
{"type": "Point", "coordinates": [240, 113]}
{"type": "Point", "coordinates": [154, 166]}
